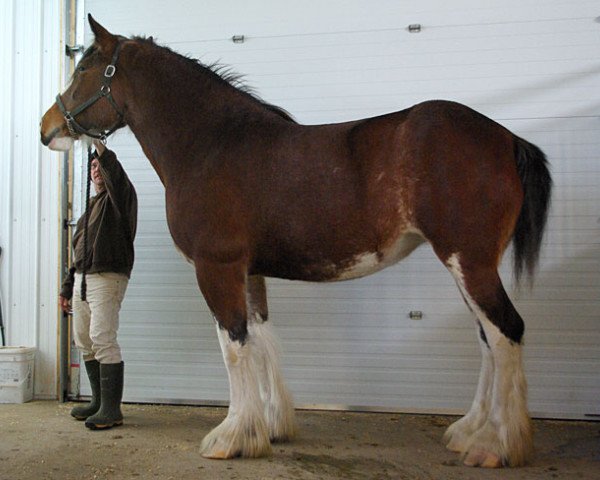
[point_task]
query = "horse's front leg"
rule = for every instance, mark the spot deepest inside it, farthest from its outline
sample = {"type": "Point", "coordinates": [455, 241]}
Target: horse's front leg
{"type": "Point", "coordinates": [279, 407]}
{"type": "Point", "coordinates": [244, 431]}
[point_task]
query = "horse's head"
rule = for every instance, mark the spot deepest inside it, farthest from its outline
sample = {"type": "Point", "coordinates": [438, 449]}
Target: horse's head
{"type": "Point", "coordinates": [87, 106]}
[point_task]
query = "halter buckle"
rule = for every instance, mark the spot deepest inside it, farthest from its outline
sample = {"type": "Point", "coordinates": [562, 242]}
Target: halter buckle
{"type": "Point", "coordinates": [105, 89]}
{"type": "Point", "coordinates": [110, 71]}
{"type": "Point", "coordinates": [69, 120]}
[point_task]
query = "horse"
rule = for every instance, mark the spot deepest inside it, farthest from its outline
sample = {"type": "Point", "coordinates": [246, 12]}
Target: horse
{"type": "Point", "coordinates": [251, 193]}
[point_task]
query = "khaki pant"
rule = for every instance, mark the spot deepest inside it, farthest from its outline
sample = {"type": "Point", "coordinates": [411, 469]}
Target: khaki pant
{"type": "Point", "coordinates": [96, 321]}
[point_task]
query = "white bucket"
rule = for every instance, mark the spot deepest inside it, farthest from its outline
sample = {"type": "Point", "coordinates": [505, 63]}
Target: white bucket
{"type": "Point", "coordinates": [16, 374]}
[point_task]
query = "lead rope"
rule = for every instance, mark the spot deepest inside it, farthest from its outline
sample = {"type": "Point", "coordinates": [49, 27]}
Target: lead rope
{"type": "Point", "coordinates": [85, 225]}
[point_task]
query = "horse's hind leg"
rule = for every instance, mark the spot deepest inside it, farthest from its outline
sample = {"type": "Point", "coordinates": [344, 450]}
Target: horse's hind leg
{"type": "Point", "coordinates": [278, 404]}
{"type": "Point", "coordinates": [460, 432]}
{"type": "Point", "coordinates": [497, 430]}
{"type": "Point", "coordinates": [244, 431]}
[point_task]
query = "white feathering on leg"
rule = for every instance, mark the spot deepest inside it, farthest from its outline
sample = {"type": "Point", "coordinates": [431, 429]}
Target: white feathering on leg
{"type": "Point", "coordinates": [244, 431]}
{"type": "Point", "coordinates": [506, 436]}
{"type": "Point", "coordinates": [458, 434]}
{"type": "Point", "coordinates": [278, 403]}
{"type": "Point", "coordinates": [508, 429]}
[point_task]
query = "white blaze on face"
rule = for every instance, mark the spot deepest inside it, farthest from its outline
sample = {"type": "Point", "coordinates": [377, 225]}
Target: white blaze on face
{"type": "Point", "coordinates": [61, 144]}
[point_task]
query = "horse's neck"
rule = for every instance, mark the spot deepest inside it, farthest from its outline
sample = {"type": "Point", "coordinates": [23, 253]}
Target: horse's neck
{"type": "Point", "coordinates": [172, 111]}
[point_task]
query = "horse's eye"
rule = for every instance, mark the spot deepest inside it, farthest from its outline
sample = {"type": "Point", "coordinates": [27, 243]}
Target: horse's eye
{"type": "Point", "coordinates": [80, 68]}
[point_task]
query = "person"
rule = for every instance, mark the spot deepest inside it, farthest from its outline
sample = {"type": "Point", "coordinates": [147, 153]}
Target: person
{"type": "Point", "coordinates": [108, 262]}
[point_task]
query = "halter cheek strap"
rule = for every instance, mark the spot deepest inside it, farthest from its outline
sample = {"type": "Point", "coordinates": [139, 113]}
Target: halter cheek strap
{"type": "Point", "coordinates": [75, 127]}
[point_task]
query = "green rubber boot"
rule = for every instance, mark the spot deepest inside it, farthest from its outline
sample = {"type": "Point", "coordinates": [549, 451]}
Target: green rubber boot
{"type": "Point", "coordinates": [81, 412]}
{"type": "Point", "coordinates": [111, 393]}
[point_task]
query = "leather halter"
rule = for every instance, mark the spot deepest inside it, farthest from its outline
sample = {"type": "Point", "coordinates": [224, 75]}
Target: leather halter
{"type": "Point", "coordinates": [76, 128]}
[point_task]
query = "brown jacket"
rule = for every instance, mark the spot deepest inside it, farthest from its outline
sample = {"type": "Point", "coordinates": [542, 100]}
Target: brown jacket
{"type": "Point", "coordinates": [111, 228]}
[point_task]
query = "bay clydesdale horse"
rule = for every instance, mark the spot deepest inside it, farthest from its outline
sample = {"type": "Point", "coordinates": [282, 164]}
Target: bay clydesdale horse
{"type": "Point", "coordinates": [250, 193]}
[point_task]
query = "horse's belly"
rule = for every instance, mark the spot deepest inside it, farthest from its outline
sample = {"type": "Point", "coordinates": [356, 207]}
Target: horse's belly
{"type": "Point", "coordinates": [370, 262]}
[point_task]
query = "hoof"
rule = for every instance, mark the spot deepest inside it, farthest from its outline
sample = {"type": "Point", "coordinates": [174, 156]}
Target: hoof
{"type": "Point", "coordinates": [236, 439]}
{"type": "Point", "coordinates": [456, 445]}
{"type": "Point", "coordinates": [458, 434]}
{"type": "Point", "coordinates": [218, 455]}
{"type": "Point", "coordinates": [481, 458]}
{"type": "Point", "coordinates": [488, 448]}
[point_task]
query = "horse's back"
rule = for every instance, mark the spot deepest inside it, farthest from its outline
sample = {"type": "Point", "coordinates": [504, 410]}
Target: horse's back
{"type": "Point", "coordinates": [362, 195]}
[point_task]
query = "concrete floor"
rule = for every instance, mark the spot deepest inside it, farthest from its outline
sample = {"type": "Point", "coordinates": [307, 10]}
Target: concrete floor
{"type": "Point", "coordinates": [39, 440]}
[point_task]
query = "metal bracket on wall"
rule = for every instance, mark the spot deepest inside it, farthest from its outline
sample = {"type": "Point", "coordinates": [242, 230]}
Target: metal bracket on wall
{"type": "Point", "coordinates": [69, 223]}
{"type": "Point", "coordinates": [414, 28]}
{"type": "Point", "coordinates": [72, 50]}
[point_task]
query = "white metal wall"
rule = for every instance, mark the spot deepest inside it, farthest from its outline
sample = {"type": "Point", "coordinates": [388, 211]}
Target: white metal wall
{"type": "Point", "coordinates": [30, 59]}
{"type": "Point", "coordinates": [530, 64]}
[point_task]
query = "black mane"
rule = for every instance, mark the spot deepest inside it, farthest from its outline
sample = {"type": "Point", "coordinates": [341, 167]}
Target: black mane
{"type": "Point", "coordinates": [224, 73]}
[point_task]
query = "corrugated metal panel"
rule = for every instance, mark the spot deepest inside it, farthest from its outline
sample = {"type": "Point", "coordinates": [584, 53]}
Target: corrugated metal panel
{"type": "Point", "coordinates": [531, 65]}
{"type": "Point", "coordinates": [50, 64]}
{"type": "Point", "coordinates": [6, 85]}
{"type": "Point", "coordinates": [29, 185]}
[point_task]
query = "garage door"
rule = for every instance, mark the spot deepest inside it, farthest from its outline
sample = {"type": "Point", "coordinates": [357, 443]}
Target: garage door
{"type": "Point", "coordinates": [407, 342]}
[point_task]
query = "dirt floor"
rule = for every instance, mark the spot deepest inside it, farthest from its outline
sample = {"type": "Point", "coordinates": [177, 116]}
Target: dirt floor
{"type": "Point", "coordinates": [39, 440]}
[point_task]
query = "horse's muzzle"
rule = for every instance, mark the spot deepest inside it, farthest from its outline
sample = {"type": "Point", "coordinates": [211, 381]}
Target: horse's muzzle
{"type": "Point", "coordinates": [55, 142]}
{"type": "Point", "coordinates": [46, 139]}
{"type": "Point", "coordinates": [53, 132]}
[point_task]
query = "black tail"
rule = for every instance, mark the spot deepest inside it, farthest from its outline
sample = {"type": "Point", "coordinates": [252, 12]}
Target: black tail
{"type": "Point", "coordinates": [537, 187]}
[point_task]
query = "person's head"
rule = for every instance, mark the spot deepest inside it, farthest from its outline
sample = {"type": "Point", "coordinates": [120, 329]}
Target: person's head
{"type": "Point", "coordinates": [96, 175]}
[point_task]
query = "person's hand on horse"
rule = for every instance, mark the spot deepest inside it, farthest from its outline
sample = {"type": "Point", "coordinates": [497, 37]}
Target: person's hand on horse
{"type": "Point", "coordinates": [99, 147]}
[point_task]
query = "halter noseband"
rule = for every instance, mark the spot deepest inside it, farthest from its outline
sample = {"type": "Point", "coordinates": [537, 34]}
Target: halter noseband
{"type": "Point", "coordinates": [73, 126]}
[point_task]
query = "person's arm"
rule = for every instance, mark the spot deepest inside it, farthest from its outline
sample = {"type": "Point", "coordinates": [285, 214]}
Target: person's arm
{"type": "Point", "coordinates": [117, 183]}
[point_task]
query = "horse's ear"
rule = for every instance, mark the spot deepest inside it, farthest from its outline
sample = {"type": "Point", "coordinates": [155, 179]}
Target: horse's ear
{"type": "Point", "coordinates": [104, 39]}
